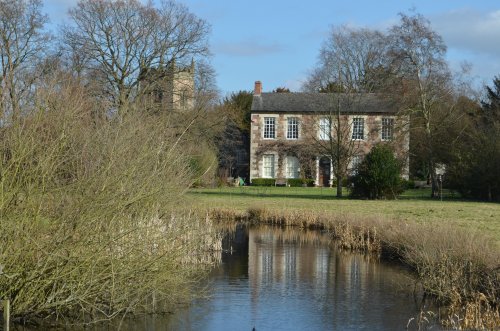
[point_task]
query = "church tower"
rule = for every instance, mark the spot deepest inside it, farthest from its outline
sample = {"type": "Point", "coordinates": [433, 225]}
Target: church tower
{"type": "Point", "coordinates": [180, 83]}
{"type": "Point", "coordinates": [169, 88]}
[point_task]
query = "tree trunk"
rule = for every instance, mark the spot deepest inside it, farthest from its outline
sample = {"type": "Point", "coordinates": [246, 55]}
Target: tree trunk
{"type": "Point", "coordinates": [339, 186]}
{"type": "Point", "coordinates": [434, 184]}
{"type": "Point", "coordinates": [2, 110]}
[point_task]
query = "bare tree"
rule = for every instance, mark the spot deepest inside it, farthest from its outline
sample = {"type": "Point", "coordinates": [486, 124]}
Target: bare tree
{"type": "Point", "coordinates": [349, 67]}
{"type": "Point", "coordinates": [120, 40]}
{"type": "Point", "coordinates": [335, 140]}
{"type": "Point", "coordinates": [417, 55]}
{"type": "Point", "coordinates": [22, 43]}
{"type": "Point", "coordinates": [350, 60]}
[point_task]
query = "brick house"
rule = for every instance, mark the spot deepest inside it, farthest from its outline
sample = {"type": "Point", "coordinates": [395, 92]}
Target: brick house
{"type": "Point", "coordinates": [288, 130]}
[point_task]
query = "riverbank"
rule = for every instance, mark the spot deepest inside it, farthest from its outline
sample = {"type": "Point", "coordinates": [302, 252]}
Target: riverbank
{"type": "Point", "coordinates": [413, 205]}
{"type": "Point", "coordinates": [451, 245]}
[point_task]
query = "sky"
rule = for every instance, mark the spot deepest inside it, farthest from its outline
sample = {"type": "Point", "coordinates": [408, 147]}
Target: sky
{"type": "Point", "coordinates": [278, 41]}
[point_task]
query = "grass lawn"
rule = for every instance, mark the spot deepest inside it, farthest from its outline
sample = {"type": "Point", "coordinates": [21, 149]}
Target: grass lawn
{"type": "Point", "coordinates": [412, 205]}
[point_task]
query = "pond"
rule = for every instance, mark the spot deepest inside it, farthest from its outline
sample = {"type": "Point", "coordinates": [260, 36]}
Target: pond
{"type": "Point", "coordinates": [290, 279]}
{"type": "Point", "coordinates": [274, 278]}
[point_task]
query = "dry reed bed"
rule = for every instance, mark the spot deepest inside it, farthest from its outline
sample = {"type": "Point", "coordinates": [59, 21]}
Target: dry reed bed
{"type": "Point", "coordinates": [459, 269]}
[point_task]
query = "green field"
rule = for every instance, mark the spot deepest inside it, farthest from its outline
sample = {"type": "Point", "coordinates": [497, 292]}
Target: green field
{"type": "Point", "coordinates": [412, 205]}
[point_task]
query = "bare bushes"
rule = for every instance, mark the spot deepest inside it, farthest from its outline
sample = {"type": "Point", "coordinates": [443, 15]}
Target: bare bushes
{"type": "Point", "coordinates": [85, 213]}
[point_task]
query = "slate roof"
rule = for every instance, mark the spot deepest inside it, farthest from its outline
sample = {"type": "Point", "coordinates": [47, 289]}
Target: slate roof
{"type": "Point", "coordinates": [321, 103]}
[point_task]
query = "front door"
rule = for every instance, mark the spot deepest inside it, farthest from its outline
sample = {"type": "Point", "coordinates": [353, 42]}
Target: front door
{"type": "Point", "coordinates": [324, 171]}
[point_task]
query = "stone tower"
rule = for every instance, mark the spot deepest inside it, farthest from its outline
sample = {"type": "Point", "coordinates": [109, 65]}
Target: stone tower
{"type": "Point", "coordinates": [170, 88]}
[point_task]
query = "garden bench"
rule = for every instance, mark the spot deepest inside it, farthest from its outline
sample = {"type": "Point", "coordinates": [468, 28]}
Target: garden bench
{"type": "Point", "coordinates": [281, 182]}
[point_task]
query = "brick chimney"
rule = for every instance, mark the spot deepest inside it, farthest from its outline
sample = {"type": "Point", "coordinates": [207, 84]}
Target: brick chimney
{"type": "Point", "coordinates": [258, 88]}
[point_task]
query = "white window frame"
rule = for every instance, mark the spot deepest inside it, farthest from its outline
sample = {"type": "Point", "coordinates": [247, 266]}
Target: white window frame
{"type": "Point", "coordinates": [292, 166]}
{"type": "Point", "coordinates": [292, 128]}
{"type": "Point", "coordinates": [355, 128]}
{"type": "Point", "coordinates": [268, 162]}
{"type": "Point", "coordinates": [387, 129]}
{"type": "Point", "coordinates": [325, 128]}
{"type": "Point", "coordinates": [269, 131]}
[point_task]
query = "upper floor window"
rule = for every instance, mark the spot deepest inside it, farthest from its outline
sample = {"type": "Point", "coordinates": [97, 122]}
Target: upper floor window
{"type": "Point", "coordinates": [269, 128]}
{"type": "Point", "coordinates": [358, 128]}
{"type": "Point", "coordinates": [325, 128]}
{"type": "Point", "coordinates": [292, 130]}
{"type": "Point", "coordinates": [387, 128]}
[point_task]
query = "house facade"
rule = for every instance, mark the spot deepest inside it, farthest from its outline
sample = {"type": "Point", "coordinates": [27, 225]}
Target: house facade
{"type": "Point", "coordinates": [294, 135]}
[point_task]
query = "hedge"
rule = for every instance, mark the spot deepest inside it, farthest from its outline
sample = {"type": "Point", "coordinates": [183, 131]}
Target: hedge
{"type": "Point", "coordinates": [293, 182]}
{"type": "Point", "coordinates": [263, 181]}
{"type": "Point", "coordinates": [297, 182]}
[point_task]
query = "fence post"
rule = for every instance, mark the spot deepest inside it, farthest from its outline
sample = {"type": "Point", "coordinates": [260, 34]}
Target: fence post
{"type": "Point", "coordinates": [6, 314]}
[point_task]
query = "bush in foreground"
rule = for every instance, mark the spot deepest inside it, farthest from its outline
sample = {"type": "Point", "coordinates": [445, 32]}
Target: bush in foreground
{"type": "Point", "coordinates": [85, 227]}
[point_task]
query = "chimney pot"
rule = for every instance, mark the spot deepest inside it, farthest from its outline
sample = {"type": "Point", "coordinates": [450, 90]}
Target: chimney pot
{"type": "Point", "coordinates": [258, 88]}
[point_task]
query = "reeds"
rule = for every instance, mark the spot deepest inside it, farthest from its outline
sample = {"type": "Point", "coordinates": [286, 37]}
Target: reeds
{"type": "Point", "coordinates": [349, 233]}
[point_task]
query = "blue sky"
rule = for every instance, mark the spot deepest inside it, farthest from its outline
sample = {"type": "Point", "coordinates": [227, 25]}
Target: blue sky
{"type": "Point", "coordinates": [277, 41]}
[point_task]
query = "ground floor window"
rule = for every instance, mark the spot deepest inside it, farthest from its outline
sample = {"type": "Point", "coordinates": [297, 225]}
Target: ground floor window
{"type": "Point", "coordinates": [292, 167]}
{"type": "Point", "coordinates": [355, 163]}
{"type": "Point", "coordinates": [268, 166]}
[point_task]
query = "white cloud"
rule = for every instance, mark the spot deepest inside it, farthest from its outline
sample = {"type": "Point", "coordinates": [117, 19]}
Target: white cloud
{"type": "Point", "coordinates": [472, 36]}
{"type": "Point", "coordinates": [470, 30]}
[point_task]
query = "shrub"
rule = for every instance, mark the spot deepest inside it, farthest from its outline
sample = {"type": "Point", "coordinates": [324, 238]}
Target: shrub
{"type": "Point", "coordinates": [379, 175]}
{"type": "Point", "coordinates": [263, 181]}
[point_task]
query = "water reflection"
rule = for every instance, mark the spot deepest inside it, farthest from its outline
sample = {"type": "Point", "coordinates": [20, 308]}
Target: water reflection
{"type": "Point", "coordinates": [287, 279]}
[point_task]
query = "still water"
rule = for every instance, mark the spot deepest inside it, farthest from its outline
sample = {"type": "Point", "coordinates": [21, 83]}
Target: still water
{"type": "Point", "coordinates": [288, 279]}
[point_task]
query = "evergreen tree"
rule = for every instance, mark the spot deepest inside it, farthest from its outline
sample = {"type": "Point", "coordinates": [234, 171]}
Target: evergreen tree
{"type": "Point", "coordinates": [475, 168]}
{"type": "Point", "coordinates": [379, 175]}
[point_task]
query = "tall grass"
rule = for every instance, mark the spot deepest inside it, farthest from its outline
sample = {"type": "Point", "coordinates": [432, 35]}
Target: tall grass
{"type": "Point", "coordinates": [87, 227]}
{"type": "Point", "coordinates": [459, 269]}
